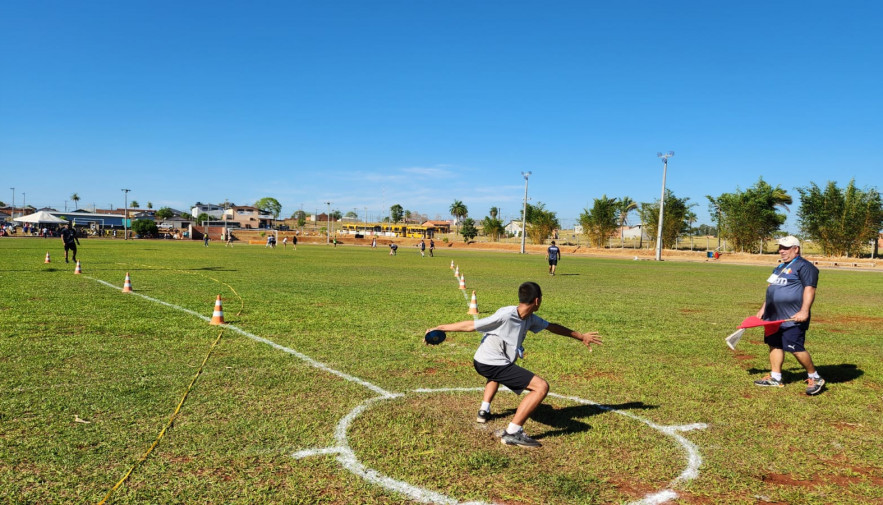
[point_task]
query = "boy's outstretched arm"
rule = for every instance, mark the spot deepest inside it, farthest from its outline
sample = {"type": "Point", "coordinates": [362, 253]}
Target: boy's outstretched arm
{"type": "Point", "coordinates": [588, 338]}
{"type": "Point", "coordinates": [461, 326]}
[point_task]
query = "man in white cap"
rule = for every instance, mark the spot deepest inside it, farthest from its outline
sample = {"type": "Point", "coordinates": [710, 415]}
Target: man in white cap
{"type": "Point", "coordinates": [790, 295]}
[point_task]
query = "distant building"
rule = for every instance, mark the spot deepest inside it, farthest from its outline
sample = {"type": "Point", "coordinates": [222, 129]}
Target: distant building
{"type": "Point", "coordinates": [513, 228]}
{"type": "Point", "coordinates": [438, 226]}
{"type": "Point", "coordinates": [247, 216]}
{"type": "Point", "coordinates": [215, 211]}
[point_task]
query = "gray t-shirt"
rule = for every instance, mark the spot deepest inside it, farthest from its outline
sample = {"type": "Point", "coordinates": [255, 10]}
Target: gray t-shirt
{"type": "Point", "coordinates": [504, 333]}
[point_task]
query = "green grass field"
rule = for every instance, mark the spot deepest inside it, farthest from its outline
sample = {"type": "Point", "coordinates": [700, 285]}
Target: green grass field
{"type": "Point", "coordinates": [90, 376]}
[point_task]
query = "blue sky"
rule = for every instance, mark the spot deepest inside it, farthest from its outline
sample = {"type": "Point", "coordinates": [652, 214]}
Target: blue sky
{"type": "Point", "coordinates": [372, 103]}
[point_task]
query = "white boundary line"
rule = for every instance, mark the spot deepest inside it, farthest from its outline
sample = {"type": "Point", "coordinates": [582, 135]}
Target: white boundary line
{"type": "Point", "coordinates": [347, 458]}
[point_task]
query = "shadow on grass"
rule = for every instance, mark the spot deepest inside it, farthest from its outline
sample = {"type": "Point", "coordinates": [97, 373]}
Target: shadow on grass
{"type": "Point", "coordinates": [567, 420]}
{"type": "Point", "coordinates": [833, 374]}
{"type": "Point", "coordinates": [566, 275]}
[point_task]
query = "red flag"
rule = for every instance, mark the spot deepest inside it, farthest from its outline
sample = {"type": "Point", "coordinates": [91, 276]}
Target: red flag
{"type": "Point", "coordinates": [769, 327]}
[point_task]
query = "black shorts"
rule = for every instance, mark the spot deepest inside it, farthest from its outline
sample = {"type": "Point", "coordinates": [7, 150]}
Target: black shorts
{"type": "Point", "coordinates": [789, 339]}
{"type": "Point", "coordinates": [512, 376]}
{"type": "Point", "coordinates": [70, 247]}
{"type": "Point", "coordinates": [553, 262]}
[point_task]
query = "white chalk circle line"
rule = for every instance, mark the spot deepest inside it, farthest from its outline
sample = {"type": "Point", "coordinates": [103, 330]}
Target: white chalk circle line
{"type": "Point", "coordinates": [348, 459]}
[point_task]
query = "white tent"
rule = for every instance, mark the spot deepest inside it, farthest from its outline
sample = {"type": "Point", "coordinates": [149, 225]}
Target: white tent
{"type": "Point", "coordinates": [40, 217]}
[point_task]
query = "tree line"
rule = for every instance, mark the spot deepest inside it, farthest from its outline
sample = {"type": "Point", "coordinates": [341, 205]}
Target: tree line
{"type": "Point", "coordinates": [842, 221]}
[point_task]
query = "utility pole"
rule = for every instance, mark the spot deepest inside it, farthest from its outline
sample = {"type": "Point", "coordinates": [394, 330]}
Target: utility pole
{"type": "Point", "coordinates": [13, 203]}
{"type": "Point", "coordinates": [524, 211]}
{"type": "Point", "coordinates": [664, 158]}
{"type": "Point", "coordinates": [126, 214]}
{"type": "Point", "coordinates": [328, 231]}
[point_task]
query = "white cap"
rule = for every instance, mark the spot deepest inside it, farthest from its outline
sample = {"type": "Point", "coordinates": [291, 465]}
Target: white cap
{"type": "Point", "coordinates": [789, 241]}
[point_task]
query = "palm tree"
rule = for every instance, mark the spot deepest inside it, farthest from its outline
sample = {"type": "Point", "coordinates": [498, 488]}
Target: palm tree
{"type": "Point", "coordinates": [625, 205]}
{"type": "Point", "coordinates": [459, 211]}
{"type": "Point", "coordinates": [493, 212]}
{"type": "Point", "coordinates": [76, 198]}
{"type": "Point", "coordinates": [690, 217]}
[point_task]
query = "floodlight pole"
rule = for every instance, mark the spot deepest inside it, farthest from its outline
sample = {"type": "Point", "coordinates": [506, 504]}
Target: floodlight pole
{"type": "Point", "coordinates": [13, 203]}
{"type": "Point", "coordinates": [665, 158]}
{"type": "Point", "coordinates": [524, 211]}
{"type": "Point", "coordinates": [126, 213]}
{"type": "Point", "coordinates": [328, 231]}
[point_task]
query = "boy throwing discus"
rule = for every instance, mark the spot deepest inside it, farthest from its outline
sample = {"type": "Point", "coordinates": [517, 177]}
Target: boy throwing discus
{"type": "Point", "coordinates": [504, 334]}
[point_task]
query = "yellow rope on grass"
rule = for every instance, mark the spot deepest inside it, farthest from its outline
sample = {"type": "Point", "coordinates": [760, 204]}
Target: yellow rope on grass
{"type": "Point", "coordinates": [167, 426]}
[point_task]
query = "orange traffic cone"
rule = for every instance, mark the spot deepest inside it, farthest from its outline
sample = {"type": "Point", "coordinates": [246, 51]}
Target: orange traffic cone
{"type": "Point", "coordinates": [77, 270]}
{"type": "Point", "coordinates": [127, 285]}
{"type": "Point", "coordinates": [47, 258]}
{"type": "Point", "coordinates": [218, 314]}
{"type": "Point", "coordinates": [463, 282]}
{"type": "Point", "coordinates": [473, 305]}
{"type": "Point", "coordinates": [452, 264]}
{"type": "Point", "coordinates": [457, 272]}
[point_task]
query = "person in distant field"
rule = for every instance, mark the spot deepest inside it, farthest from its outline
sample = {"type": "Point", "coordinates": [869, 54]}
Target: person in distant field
{"type": "Point", "coordinates": [553, 254]}
{"type": "Point", "coordinates": [393, 248]}
{"type": "Point", "coordinates": [373, 242]}
{"type": "Point", "coordinates": [284, 242]}
{"type": "Point", "coordinates": [70, 240]}
{"type": "Point", "coordinates": [503, 336]}
{"type": "Point", "coordinates": [294, 241]}
{"type": "Point", "coordinates": [205, 240]}
{"type": "Point", "coordinates": [422, 246]}
{"type": "Point", "coordinates": [789, 295]}
{"type": "Point", "coordinates": [229, 241]}
{"type": "Point", "coordinates": [431, 248]}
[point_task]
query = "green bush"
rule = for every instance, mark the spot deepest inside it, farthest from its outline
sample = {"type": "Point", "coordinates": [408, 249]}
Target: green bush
{"type": "Point", "coordinates": [144, 228]}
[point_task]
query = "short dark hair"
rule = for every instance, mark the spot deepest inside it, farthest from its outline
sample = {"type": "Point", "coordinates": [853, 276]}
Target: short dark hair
{"type": "Point", "coordinates": [528, 292]}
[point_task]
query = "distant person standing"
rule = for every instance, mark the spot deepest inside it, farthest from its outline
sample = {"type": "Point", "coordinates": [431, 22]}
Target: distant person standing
{"type": "Point", "coordinates": [789, 295]}
{"type": "Point", "coordinates": [229, 239]}
{"type": "Point", "coordinates": [205, 240]}
{"type": "Point", "coordinates": [70, 240]}
{"type": "Point", "coordinates": [373, 242]}
{"type": "Point", "coordinates": [284, 242]}
{"type": "Point", "coordinates": [294, 242]}
{"type": "Point", "coordinates": [431, 248]}
{"type": "Point", "coordinates": [553, 254]}
{"type": "Point", "coordinates": [422, 248]}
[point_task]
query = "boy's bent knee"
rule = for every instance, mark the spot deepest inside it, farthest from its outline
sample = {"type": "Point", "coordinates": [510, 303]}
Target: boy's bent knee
{"type": "Point", "coordinates": [539, 385]}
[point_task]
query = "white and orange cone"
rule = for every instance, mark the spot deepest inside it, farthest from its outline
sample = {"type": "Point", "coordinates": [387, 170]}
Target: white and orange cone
{"type": "Point", "coordinates": [463, 282]}
{"type": "Point", "coordinates": [457, 272]}
{"type": "Point", "coordinates": [452, 264]}
{"type": "Point", "coordinates": [78, 271]}
{"type": "Point", "coordinates": [127, 285]}
{"type": "Point", "coordinates": [47, 258]}
{"type": "Point", "coordinates": [218, 314]}
{"type": "Point", "coordinates": [473, 305]}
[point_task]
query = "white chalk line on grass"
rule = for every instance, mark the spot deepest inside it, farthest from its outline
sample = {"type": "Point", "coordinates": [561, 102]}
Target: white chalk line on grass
{"type": "Point", "coordinates": [347, 457]}
{"type": "Point", "coordinates": [315, 364]}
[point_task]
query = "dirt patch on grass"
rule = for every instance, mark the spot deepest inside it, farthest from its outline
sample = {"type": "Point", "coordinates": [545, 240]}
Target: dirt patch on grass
{"type": "Point", "coordinates": [848, 320]}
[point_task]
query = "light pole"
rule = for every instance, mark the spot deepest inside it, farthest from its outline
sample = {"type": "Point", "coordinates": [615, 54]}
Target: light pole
{"type": "Point", "coordinates": [126, 213]}
{"type": "Point", "coordinates": [665, 158]}
{"type": "Point", "coordinates": [328, 231]}
{"type": "Point", "coordinates": [13, 203]}
{"type": "Point", "coordinates": [524, 211]}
